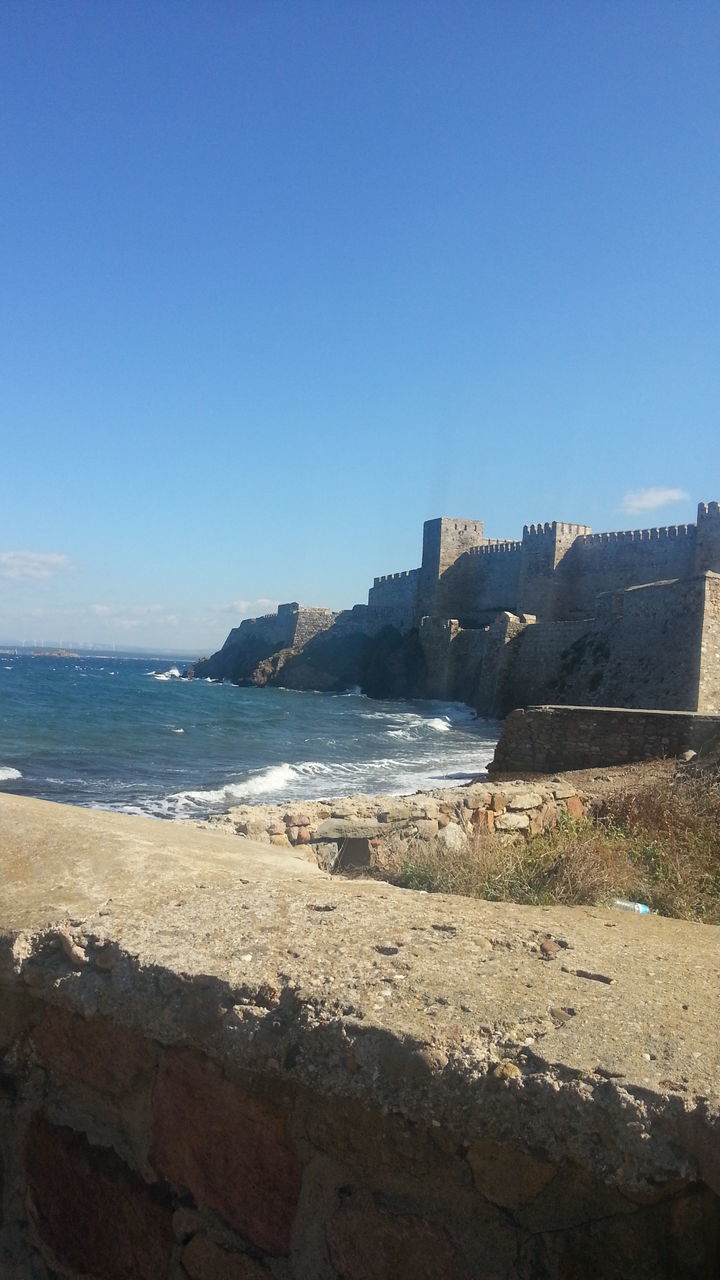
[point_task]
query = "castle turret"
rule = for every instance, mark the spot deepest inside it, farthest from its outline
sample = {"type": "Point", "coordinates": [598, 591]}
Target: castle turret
{"type": "Point", "coordinates": [707, 540]}
{"type": "Point", "coordinates": [444, 540]}
{"type": "Point", "coordinates": [543, 548]}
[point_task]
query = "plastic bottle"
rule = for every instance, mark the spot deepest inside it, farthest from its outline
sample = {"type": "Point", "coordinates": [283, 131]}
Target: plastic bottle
{"type": "Point", "coordinates": [623, 905]}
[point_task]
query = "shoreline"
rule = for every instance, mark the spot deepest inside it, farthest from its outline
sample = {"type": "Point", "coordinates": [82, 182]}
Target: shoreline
{"type": "Point", "coordinates": [512, 807]}
{"type": "Point", "coordinates": [321, 829]}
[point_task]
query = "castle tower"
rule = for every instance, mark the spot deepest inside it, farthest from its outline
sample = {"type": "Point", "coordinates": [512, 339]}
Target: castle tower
{"type": "Point", "coordinates": [707, 541]}
{"type": "Point", "coordinates": [444, 540]}
{"type": "Point", "coordinates": [543, 548]}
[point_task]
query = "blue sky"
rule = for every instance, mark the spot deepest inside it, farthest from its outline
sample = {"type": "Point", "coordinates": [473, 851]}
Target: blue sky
{"type": "Point", "coordinates": [280, 281]}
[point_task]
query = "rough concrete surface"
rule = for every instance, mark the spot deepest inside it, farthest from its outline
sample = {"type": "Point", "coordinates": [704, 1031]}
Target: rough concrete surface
{"type": "Point", "coordinates": [465, 979]}
{"type": "Point", "coordinates": [586, 1034]}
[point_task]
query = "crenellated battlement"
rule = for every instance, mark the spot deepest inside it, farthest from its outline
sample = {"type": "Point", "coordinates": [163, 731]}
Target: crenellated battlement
{"type": "Point", "coordinates": [640, 535]}
{"type": "Point", "coordinates": [395, 577]}
{"type": "Point", "coordinates": [495, 547]}
{"type": "Point", "coordinates": [554, 527]}
{"type": "Point", "coordinates": [555, 572]}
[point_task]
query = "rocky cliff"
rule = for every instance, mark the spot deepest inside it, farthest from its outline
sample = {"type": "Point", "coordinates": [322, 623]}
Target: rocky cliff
{"type": "Point", "coordinates": [334, 658]}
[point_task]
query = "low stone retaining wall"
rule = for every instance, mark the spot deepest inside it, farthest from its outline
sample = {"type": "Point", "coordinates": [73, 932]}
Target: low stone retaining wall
{"type": "Point", "coordinates": [319, 829]}
{"type": "Point", "coordinates": [218, 1063]}
{"type": "Point", "coordinates": [545, 739]}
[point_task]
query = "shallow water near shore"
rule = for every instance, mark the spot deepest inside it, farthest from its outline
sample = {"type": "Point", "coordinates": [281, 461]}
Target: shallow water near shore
{"type": "Point", "coordinates": [128, 734]}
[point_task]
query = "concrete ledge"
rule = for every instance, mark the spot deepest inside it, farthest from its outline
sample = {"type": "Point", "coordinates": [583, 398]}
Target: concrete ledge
{"type": "Point", "coordinates": [546, 739]}
{"type": "Point", "coordinates": [273, 1072]}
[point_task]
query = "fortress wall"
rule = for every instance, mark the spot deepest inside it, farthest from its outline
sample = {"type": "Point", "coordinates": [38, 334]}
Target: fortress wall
{"type": "Point", "coordinates": [437, 636]}
{"type": "Point", "coordinates": [392, 600]}
{"type": "Point", "coordinates": [453, 658]}
{"type": "Point", "coordinates": [642, 651]}
{"type": "Point", "coordinates": [488, 693]}
{"type": "Point", "coordinates": [709, 682]}
{"type": "Point", "coordinates": [309, 622]}
{"type": "Point", "coordinates": [483, 581]}
{"type": "Point", "coordinates": [543, 548]}
{"type": "Point", "coordinates": [469, 653]}
{"type": "Point", "coordinates": [221, 1064]}
{"type": "Point", "coordinates": [276, 629]}
{"type": "Point", "coordinates": [293, 624]}
{"type": "Point", "coordinates": [444, 540]}
{"type": "Point", "coordinates": [534, 663]}
{"type": "Point", "coordinates": [351, 621]}
{"type": "Point", "coordinates": [551, 738]}
{"type": "Point", "coordinates": [612, 561]}
{"type": "Point", "coordinates": [707, 543]}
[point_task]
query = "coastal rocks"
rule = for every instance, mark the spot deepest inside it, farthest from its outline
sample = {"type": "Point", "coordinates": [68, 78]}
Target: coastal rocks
{"type": "Point", "coordinates": [453, 838]}
{"type": "Point", "coordinates": [345, 833]}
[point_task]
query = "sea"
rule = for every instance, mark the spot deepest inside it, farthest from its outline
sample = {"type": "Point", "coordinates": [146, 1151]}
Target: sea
{"type": "Point", "coordinates": [133, 735]}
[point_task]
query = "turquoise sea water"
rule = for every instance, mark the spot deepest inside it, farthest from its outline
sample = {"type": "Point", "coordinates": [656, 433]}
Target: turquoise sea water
{"type": "Point", "coordinates": [128, 734]}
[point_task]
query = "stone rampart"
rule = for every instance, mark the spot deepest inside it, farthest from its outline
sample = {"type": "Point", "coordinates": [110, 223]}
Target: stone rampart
{"type": "Point", "coordinates": [552, 738]}
{"type": "Point", "coordinates": [482, 582]}
{"type": "Point", "coordinates": [709, 681]}
{"type": "Point", "coordinates": [309, 622]}
{"type": "Point", "coordinates": [601, 562]}
{"type": "Point", "coordinates": [444, 541]}
{"type": "Point", "coordinates": [642, 650]}
{"type": "Point", "coordinates": [543, 548]}
{"type": "Point", "coordinates": [220, 1064]}
{"type": "Point", "coordinates": [393, 601]}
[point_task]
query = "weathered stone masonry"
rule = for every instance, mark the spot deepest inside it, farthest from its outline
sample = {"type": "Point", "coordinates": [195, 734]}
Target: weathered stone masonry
{"type": "Point", "coordinates": [550, 739]}
{"type": "Point", "coordinates": [562, 616]}
{"type": "Point", "coordinates": [565, 615]}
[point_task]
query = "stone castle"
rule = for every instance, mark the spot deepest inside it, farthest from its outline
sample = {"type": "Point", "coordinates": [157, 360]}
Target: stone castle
{"type": "Point", "coordinates": [563, 615]}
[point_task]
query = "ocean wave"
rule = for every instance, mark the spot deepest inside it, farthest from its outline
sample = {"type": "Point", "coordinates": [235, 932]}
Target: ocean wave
{"type": "Point", "coordinates": [275, 778]}
{"type": "Point", "coordinates": [177, 730]}
{"type": "Point", "coordinates": [439, 724]}
{"type": "Point", "coordinates": [8, 774]}
{"type": "Point", "coordinates": [171, 674]}
{"type": "Point", "coordinates": [454, 712]}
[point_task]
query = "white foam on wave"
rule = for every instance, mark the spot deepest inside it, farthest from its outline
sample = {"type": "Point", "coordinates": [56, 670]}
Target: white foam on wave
{"type": "Point", "coordinates": [8, 774]}
{"type": "Point", "coordinates": [276, 778]}
{"type": "Point", "coordinates": [171, 674]}
{"type": "Point", "coordinates": [439, 724]}
{"type": "Point", "coordinates": [177, 730]}
{"type": "Point", "coordinates": [454, 712]}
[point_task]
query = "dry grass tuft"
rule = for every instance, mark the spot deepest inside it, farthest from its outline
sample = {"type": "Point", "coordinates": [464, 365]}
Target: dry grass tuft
{"type": "Point", "coordinates": [659, 845]}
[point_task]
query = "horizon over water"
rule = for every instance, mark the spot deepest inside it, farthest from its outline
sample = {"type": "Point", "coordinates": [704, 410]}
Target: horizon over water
{"type": "Point", "coordinates": [125, 734]}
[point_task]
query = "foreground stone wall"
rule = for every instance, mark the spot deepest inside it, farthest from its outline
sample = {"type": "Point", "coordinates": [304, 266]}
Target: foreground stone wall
{"type": "Point", "coordinates": [219, 1064]}
{"type": "Point", "coordinates": [321, 828]}
{"type": "Point", "coordinates": [545, 739]}
{"type": "Point", "coordinates": [709, 682]}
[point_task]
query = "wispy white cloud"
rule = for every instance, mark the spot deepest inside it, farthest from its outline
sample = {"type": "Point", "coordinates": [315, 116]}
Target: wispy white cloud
{"type": "Point", "coordinates": [31, 565]}
{"type": "Point", "coordinates": [134, 610]}
{"type": "Point", "coordinates": [251, 608]}
{"type": "Point", "coordinates": [134, 616]}
{"type": "Point", "coordinates": [650, 499]}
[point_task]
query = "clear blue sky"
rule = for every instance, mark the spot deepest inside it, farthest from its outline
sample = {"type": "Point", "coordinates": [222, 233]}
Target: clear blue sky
{"type": "Point", "coordinates": [280, 281]}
